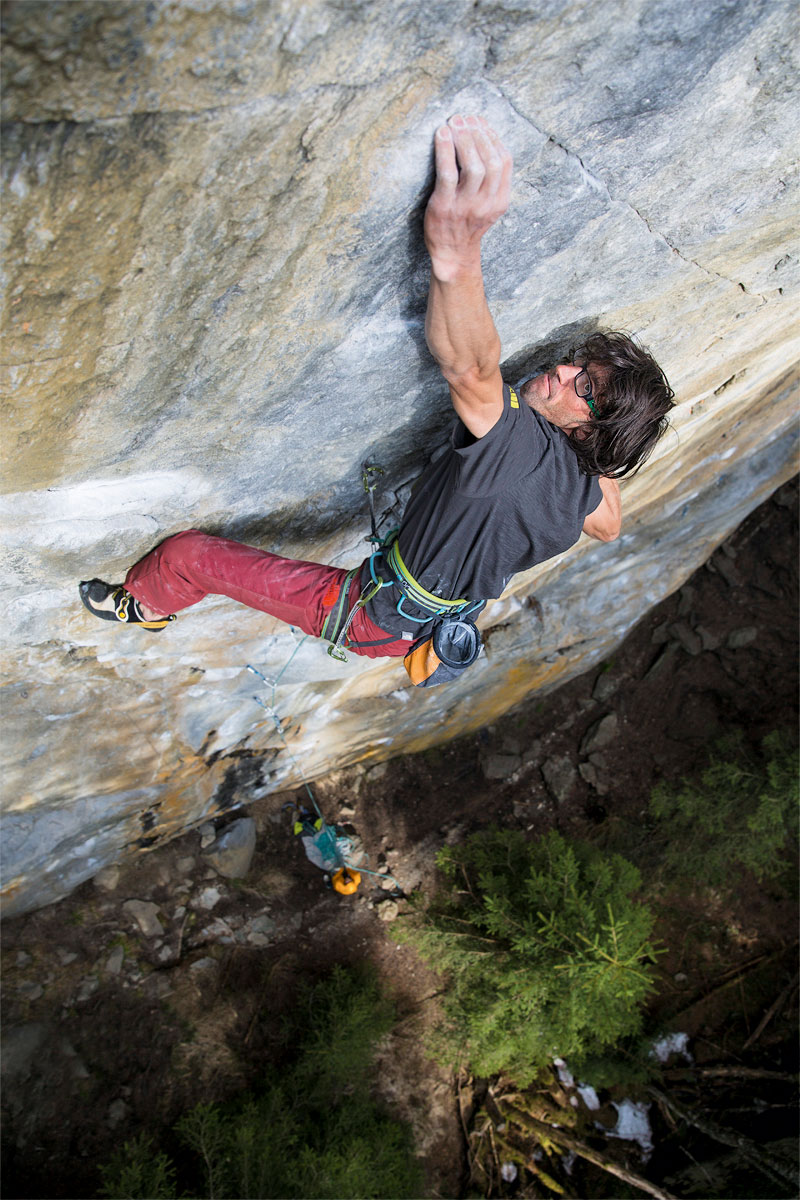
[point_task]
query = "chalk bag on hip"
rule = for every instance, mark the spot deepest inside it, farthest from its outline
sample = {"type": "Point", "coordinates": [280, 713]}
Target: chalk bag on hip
{"type": "Point", "coordinates": [451, 648]}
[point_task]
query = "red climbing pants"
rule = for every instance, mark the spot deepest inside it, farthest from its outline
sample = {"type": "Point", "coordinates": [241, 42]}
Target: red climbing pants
{"type": "Point", "coordinates": [190, 565]}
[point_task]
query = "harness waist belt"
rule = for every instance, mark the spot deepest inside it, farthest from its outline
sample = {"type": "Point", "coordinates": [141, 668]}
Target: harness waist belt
{"type": "Point", "coordinates": [415, 592]}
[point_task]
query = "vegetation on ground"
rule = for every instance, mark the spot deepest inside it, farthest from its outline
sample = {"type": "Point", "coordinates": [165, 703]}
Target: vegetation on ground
{"type": "Point", "coordinates": [740, 813]}
{"type": "Point", "coordinates": [312, 1130]}
{"type": "Point", "coordinates": [546, 949]}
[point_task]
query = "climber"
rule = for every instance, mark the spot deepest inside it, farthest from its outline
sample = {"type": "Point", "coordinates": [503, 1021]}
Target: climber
{"type": "Point", "coordinates": [526, 470]}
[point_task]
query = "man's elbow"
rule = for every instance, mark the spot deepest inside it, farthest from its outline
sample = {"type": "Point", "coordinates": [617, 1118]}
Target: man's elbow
{"type": "Point", "coordinates": [606, 532]}
{"type": "Point", "coordinates": [610, 535]}
{"type": "Point", "coordinates": [471, 370]}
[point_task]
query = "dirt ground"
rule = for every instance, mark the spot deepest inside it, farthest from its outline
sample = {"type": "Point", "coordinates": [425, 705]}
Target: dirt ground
{"type": "Point", "coordinates": [108, 1029]}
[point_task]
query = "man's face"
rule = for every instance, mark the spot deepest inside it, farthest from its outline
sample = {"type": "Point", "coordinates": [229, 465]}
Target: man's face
{"type": "Point", "coordinates": [552, 394]}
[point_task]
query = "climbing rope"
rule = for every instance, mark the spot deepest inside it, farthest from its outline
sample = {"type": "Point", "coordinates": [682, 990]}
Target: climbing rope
{"type": "Point", "coordinates": [271, 710]}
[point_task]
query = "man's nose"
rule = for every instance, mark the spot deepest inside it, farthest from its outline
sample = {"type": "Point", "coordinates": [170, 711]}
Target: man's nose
{"type": "Point", "coordinates": [566, 372]}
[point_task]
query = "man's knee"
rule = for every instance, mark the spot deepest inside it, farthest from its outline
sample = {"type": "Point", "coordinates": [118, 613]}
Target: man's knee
{"type": "Point", "coordinates": [183, 546]}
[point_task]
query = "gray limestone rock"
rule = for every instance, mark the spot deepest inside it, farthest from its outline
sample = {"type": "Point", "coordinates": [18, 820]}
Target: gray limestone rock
{"type": "Point", "coordinates": [600, 734]}
{"type": "Point", "coordinates": [709, 639]}
{"type": "Point", "coordinates": [661, 660]}
{"type": "Point", "coordinates": [21, 1045]}
{"type": "Point", "coordinates": [723, 565]}
{"type": "Point", "coordinates": [115, 960]}
{"type": "Point", "coordinates": [686, 637]}
{"type": "Point", "coordinates": [118, 1111]}
{"type": "Point", "coordinates": [207, 835]}
{"type": "Point", "coordinates": [259, 931]}
{"type": "Point", "coordinates": [173, 340]}
{"type": "Point", "coordinates": [232, 851]}
{"type": "Point", "coordinates": [207, 899]}
{"type": "Point", "coordinates": [561, 776]}
{"type": "Point", "coordinates": [87, 988]}
{"type": "Point", "coordinates": [201, 965]}
{"type": "Point", "coordinates": [30, 990]}
{"type": "Point", "coordinates": [500, 766]}
{"type": "Point", "coordinates": [606, 685]}
{"type": "Point", "coordinates": [739, 638]}
{"type": "Point", "coordinates": [146, 916]}
{"type": "Point", "coordinates": [107, 879]}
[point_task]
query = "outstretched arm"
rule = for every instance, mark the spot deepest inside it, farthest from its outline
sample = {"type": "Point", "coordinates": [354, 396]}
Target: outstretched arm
{"type": "Point", "coordinates": [606, 520]}
{"type": "Point", "coordinates": [459, 327]}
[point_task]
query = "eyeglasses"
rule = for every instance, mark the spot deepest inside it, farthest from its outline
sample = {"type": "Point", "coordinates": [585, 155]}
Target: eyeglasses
{"type": "Point", "coordinates": [583, 388]}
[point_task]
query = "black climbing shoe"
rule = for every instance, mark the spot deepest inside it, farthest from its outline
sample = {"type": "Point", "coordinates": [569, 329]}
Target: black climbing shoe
{"type": "Point", "coordinates": [126, 609]}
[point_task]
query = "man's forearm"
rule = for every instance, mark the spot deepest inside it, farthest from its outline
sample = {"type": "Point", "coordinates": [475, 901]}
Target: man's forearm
{"type": "Point", "coordinates": [459, 329]}
{"type": "Point", "coordinates": [473, 171]}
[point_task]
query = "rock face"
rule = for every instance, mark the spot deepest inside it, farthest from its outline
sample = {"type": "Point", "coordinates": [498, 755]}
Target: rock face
{"type": "Point", "coordinates": [216, 284]}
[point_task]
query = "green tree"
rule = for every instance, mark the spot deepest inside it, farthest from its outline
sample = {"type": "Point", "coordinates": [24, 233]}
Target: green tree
{"type": "Point", "coordinates": [313, 1130]}
{"type": "Point", "coordinates": [741, 812]}
{"type": "Point", "coordinates": [545, 949]}
{"type": "Point", "coordinates": [138, 1169]}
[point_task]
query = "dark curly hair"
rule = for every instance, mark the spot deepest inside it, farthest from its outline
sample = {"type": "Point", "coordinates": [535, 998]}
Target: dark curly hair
{"type": "Point", "coordinates": [633, 402]}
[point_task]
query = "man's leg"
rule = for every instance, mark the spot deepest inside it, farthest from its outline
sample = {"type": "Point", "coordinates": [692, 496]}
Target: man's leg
{"type": "Point", "coordinates": [191, 565]}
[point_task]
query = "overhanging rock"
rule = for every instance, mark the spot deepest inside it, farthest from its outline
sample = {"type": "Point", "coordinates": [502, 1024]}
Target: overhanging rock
{"type": "Point", "coordinates": [216, 288]}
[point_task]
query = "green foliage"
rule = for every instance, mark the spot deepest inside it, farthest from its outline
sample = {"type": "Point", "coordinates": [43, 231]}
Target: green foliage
{"type": "Point", "coordinates": [138, 1170]}
{"type": "Point", "coordinates": [314, 1130]}
{"type": "Point", "coordinates": [740, 813]}
{"type": "Point", "coordinates": [545, 950]}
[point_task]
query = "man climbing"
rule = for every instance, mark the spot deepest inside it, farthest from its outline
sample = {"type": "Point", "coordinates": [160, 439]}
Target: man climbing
{"type": "Point", "coordinates": [525, 471]}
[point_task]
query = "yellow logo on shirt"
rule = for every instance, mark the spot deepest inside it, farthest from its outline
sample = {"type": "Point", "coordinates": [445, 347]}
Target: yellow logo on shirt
{"type": "Point", "coordinates": [514, 400]}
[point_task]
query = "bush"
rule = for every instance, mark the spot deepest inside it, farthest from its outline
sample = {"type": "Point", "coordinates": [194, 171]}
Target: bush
{"type": "Point", "coordinates": [312, 1131]}
{"type": "Point", "coordinates": [740, 813]}
{"type": "Point", "coordinates": [139, 1170]}
{"type": "Point", "coordinates": [545, 950]}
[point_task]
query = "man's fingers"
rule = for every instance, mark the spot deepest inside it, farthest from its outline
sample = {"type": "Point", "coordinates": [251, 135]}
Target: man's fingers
{"type": "Point", "coordinates": [506, 161]}
{"type": "Point", "coordinates": [485, 163]}
{"type": "Point", "coordinates": [445, 159]}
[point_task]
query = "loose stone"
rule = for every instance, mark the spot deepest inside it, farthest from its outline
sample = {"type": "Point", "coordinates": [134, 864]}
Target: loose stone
{"type": "Point", "coordinates": [145, 914]}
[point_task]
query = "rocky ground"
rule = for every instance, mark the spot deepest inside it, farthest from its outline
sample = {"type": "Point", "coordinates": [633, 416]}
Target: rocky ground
{"type": "Point", "coordinates": [162, 982]}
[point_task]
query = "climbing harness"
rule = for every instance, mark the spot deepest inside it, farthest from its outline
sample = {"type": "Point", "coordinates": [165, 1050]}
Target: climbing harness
{"type": "Point", "coordinates": [454, 643]}
{"type": "Point", "coordinates": [433, 606]}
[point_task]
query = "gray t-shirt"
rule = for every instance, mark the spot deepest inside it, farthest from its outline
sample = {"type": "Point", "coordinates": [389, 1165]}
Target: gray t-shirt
{"type": "Point", "coordinates": [488, 508]}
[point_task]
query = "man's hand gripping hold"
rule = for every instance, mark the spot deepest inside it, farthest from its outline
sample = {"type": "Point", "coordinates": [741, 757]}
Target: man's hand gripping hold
{"type": "Point", "coordinates": [473, 182]}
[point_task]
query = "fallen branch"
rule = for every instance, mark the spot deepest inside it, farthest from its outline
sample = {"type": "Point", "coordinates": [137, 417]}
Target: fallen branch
{"type": "Point", "coordinates": [570, 1142]}
{"type": "Point", "coordinates": [749, 1150]}
{"type": "Point", "coordinates": [770, 1013]}
{"type": "Point", "coordinates": [730, 978]}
